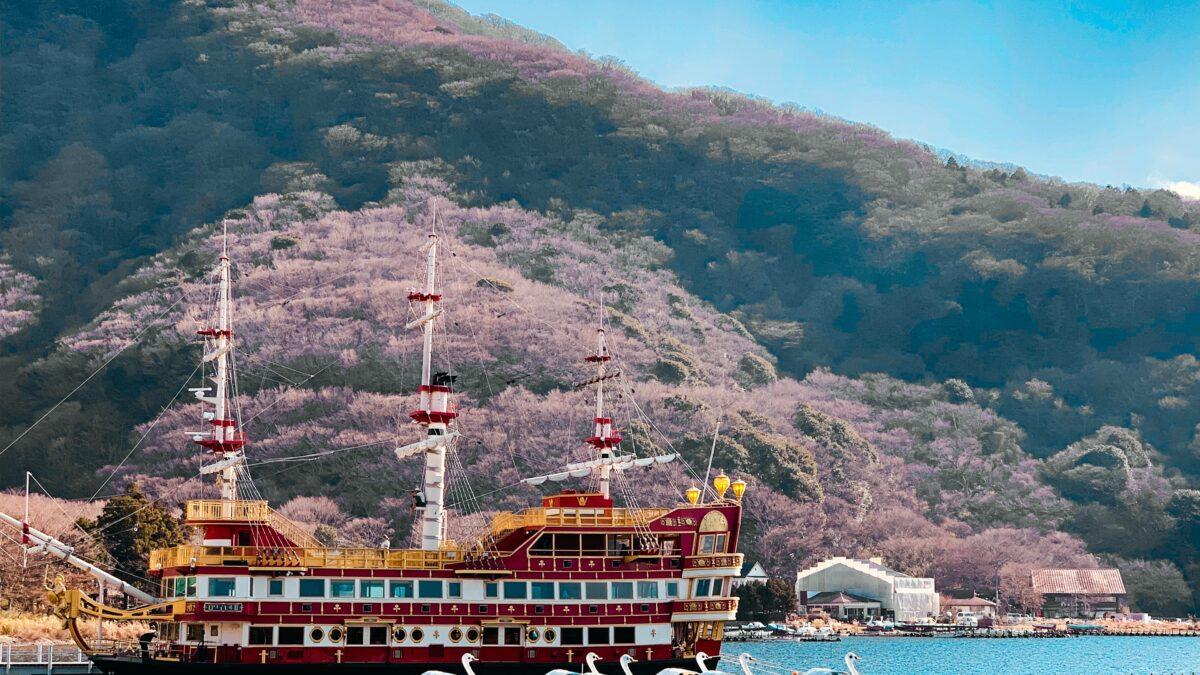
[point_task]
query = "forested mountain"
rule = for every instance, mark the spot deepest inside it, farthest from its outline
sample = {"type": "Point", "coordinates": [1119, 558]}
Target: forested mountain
{"type": "Point", "coordinates": [966, 370]}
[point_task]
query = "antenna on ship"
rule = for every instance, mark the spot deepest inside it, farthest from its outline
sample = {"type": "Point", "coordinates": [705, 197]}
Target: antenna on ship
{"type": "Point", "coordinates": [225, 441]}
{"type": "Point", "coordinates": [434, 409]}
{"type": "Point", "coordinates": [604, 438]}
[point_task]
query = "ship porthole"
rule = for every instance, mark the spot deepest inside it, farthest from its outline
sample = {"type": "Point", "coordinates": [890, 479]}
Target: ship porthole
{"type": "Point", "coordinates": [417, 634]}
{"type": "Point", "coordinates": [472, 635]}
{"type": "Point", "coordinates": [335, 634]}
{"type": "Point", "coordinates": [316, 635]}
{"type": "Point", "coordinates": [532, 635]}
{"type": "Point", "coordinates": [550, 635]}
{"type": "Point", "coordinates": [455, 634]}
{"type": "Point", "coordinates": [398, 634]}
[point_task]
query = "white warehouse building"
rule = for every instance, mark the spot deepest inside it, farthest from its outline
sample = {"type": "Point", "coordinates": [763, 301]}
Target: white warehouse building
{"type": "Point", "coordinates": [866, 585]}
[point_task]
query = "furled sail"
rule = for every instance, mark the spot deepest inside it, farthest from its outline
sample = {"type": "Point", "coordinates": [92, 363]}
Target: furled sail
{"type": "Point", "coordinates": [431, 443]}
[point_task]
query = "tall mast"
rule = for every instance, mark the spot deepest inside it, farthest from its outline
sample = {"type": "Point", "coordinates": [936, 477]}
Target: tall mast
{"type": "Point", "coordinates": [434, 412]}
{"type": "Point", "coordinates": [224, 440]}
{"type": "Point", "coordinates": [604, 438]}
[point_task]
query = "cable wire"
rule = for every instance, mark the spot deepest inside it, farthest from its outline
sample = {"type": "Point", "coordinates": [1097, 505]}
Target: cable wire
{"type": "Point", "coordinates": [94, 374]}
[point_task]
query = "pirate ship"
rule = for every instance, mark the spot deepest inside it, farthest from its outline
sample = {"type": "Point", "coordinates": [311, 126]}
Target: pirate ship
{"type": "Point", "coordinates": [538, 589]}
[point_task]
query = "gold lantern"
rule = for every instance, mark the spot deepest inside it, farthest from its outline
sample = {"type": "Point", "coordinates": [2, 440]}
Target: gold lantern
{"type": "Point", "coordinates": [721, 483]}
{"type": "Point", "coordinates": [692, 494]}
{"type": "Point", "coordinates": [739, 488]}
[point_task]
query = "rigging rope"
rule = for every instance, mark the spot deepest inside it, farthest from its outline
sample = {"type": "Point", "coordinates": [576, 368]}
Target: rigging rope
{"type": "Point", "coordinates": [148, 430]}
{"type": "Point", "coordinates": [94, 537]}
{"type": "Point", "coordinates": [323, 453]}
{"type": "Point", "coordinates": [94, 373]}
{"type": "Point", "coordinates": [622, 367]}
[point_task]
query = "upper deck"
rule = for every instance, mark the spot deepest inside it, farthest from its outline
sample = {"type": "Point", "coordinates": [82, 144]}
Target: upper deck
{"type": "Point", "coordinates": [250, 534]}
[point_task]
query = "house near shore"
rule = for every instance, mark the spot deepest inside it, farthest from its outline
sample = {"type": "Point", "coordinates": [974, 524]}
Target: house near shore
{"type": "Point", "coordinates": [973, 605]}
{"type": "Point", "coordinates": [843, 606]}
{"type": "Point", "coordinates": [752, 573]}
{"type": "Point", "coordinates": [854, 588]}
{"type": "Point", "coordinates": [1079, 593]}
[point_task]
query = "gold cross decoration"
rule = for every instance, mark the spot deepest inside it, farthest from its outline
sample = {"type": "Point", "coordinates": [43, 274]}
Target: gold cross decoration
{"type": "Point", "coordinates": [653, 632]}
{"type": "Point", "coordinates": [570, 655]}
{"type": "Point", "coordinates": [649, 653]}
{"type": "Point", "coordinates": [453, 608]}
{"type": "Point", "coordinates": [263, 656]}
{"type": "Point", "coordinates": [337, 608]}
{"type": "Point", "coordinates": [511, 609]}
{"type": "Point", "coordinates": [436, 634]}
{"type": "Point", "coordinates": [541, 563]}
{"type": "Point", "coordinates": [396, 608]}
{"type": "Point", "coordinates": [618, 608]}
{"type": "Point", "coordinates": [338, 654]}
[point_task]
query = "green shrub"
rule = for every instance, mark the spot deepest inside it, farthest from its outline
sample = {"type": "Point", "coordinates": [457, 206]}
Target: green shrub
{"type": "Point", "coordinates": [494, 284]}
{"type": "Point", "coordinates": [754, 371]}
{"type": "Point", "coordinates": [283, 241]}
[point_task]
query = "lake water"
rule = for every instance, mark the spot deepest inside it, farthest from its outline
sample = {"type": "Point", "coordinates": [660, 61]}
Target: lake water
{"type": "Point", "coordinates": [954, 656]}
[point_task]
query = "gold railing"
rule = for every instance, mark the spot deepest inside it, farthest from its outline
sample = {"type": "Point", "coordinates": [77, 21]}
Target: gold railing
{"type": "Point", "coordinates": [226, 511]}
{"type": "Point", "coordinates": [720, 560]}
{"type": "Point", "coordinates": [699, 606]}
{"type": "Point", "coordinates": [298, 535]}
{"type": "Point", "coordinates": [331, 558]}
{"type": "Point", "coordinates": [542, 517]}
{"type": "Point", "coordinates": [222, 510]}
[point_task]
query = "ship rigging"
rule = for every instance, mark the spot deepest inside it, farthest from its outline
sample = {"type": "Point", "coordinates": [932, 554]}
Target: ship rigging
{"type": "Point", "coordinates": [537, 589]}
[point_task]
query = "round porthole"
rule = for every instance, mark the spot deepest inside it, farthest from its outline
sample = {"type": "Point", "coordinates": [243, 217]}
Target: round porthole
{"type": "Point", "coordinates": [316, 635]}
{"type": "Point", "coordinates": [472, 635]}
{"type": "Point", "coordinates": [532, 635]}
{"type": "Point", "coordinates": [550, 635]}
{"type": "Point", "coordinates": [455, 634]}
{"type": "Point", "coordinates": [417, 635]}
{"type": "Point", "coordinates": [336, 634]}
{"type": "Point", "coordinates": [398, 634]}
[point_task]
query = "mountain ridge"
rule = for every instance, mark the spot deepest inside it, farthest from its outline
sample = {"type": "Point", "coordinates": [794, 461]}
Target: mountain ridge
{"type": "Point", "coordinates": [810, 252]}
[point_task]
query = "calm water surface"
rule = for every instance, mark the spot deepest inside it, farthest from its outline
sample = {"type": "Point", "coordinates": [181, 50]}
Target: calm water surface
{"type": "Point", "coordinates": [951, 656]}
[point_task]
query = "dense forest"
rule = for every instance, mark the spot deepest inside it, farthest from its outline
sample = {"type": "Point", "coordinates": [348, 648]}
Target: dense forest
{"type": "Point", "coordinates": [966, 369]}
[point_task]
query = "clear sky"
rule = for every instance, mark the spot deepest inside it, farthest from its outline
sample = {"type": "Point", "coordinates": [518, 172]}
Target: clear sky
{"type": "Point", "coordinates": [1107, 92]}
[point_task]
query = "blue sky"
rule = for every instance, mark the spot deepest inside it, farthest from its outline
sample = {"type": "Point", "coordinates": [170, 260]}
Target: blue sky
{"type": "Point", "coordinates": [1106, 92]}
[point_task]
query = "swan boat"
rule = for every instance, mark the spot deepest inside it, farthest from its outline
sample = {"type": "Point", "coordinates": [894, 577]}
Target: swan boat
{"type": "Point", "coordinates": [537, 590]}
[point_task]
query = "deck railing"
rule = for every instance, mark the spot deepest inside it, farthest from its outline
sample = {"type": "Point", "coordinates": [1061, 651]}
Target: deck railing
{"type": "Point", "coordinates": [542, 517]}
{"type": "Point", "coordinates": [308, 553]}
{"type": "Point", "coordinates": [296, 534]}
{"type": "Point", "coordinates": [258, 511]}
{"type": "Point", "coordinates": [311, 558]}
{"type": "Point", "coordinates": [224, 510]}
{"type": "Point", "coordinates": [27, 658]}
{"type": "Point", "coordinates": [711, 561]}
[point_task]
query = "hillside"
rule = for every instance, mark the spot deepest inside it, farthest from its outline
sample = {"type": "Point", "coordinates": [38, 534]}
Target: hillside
{"type": "Point", "coordinates": [917, 358]}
